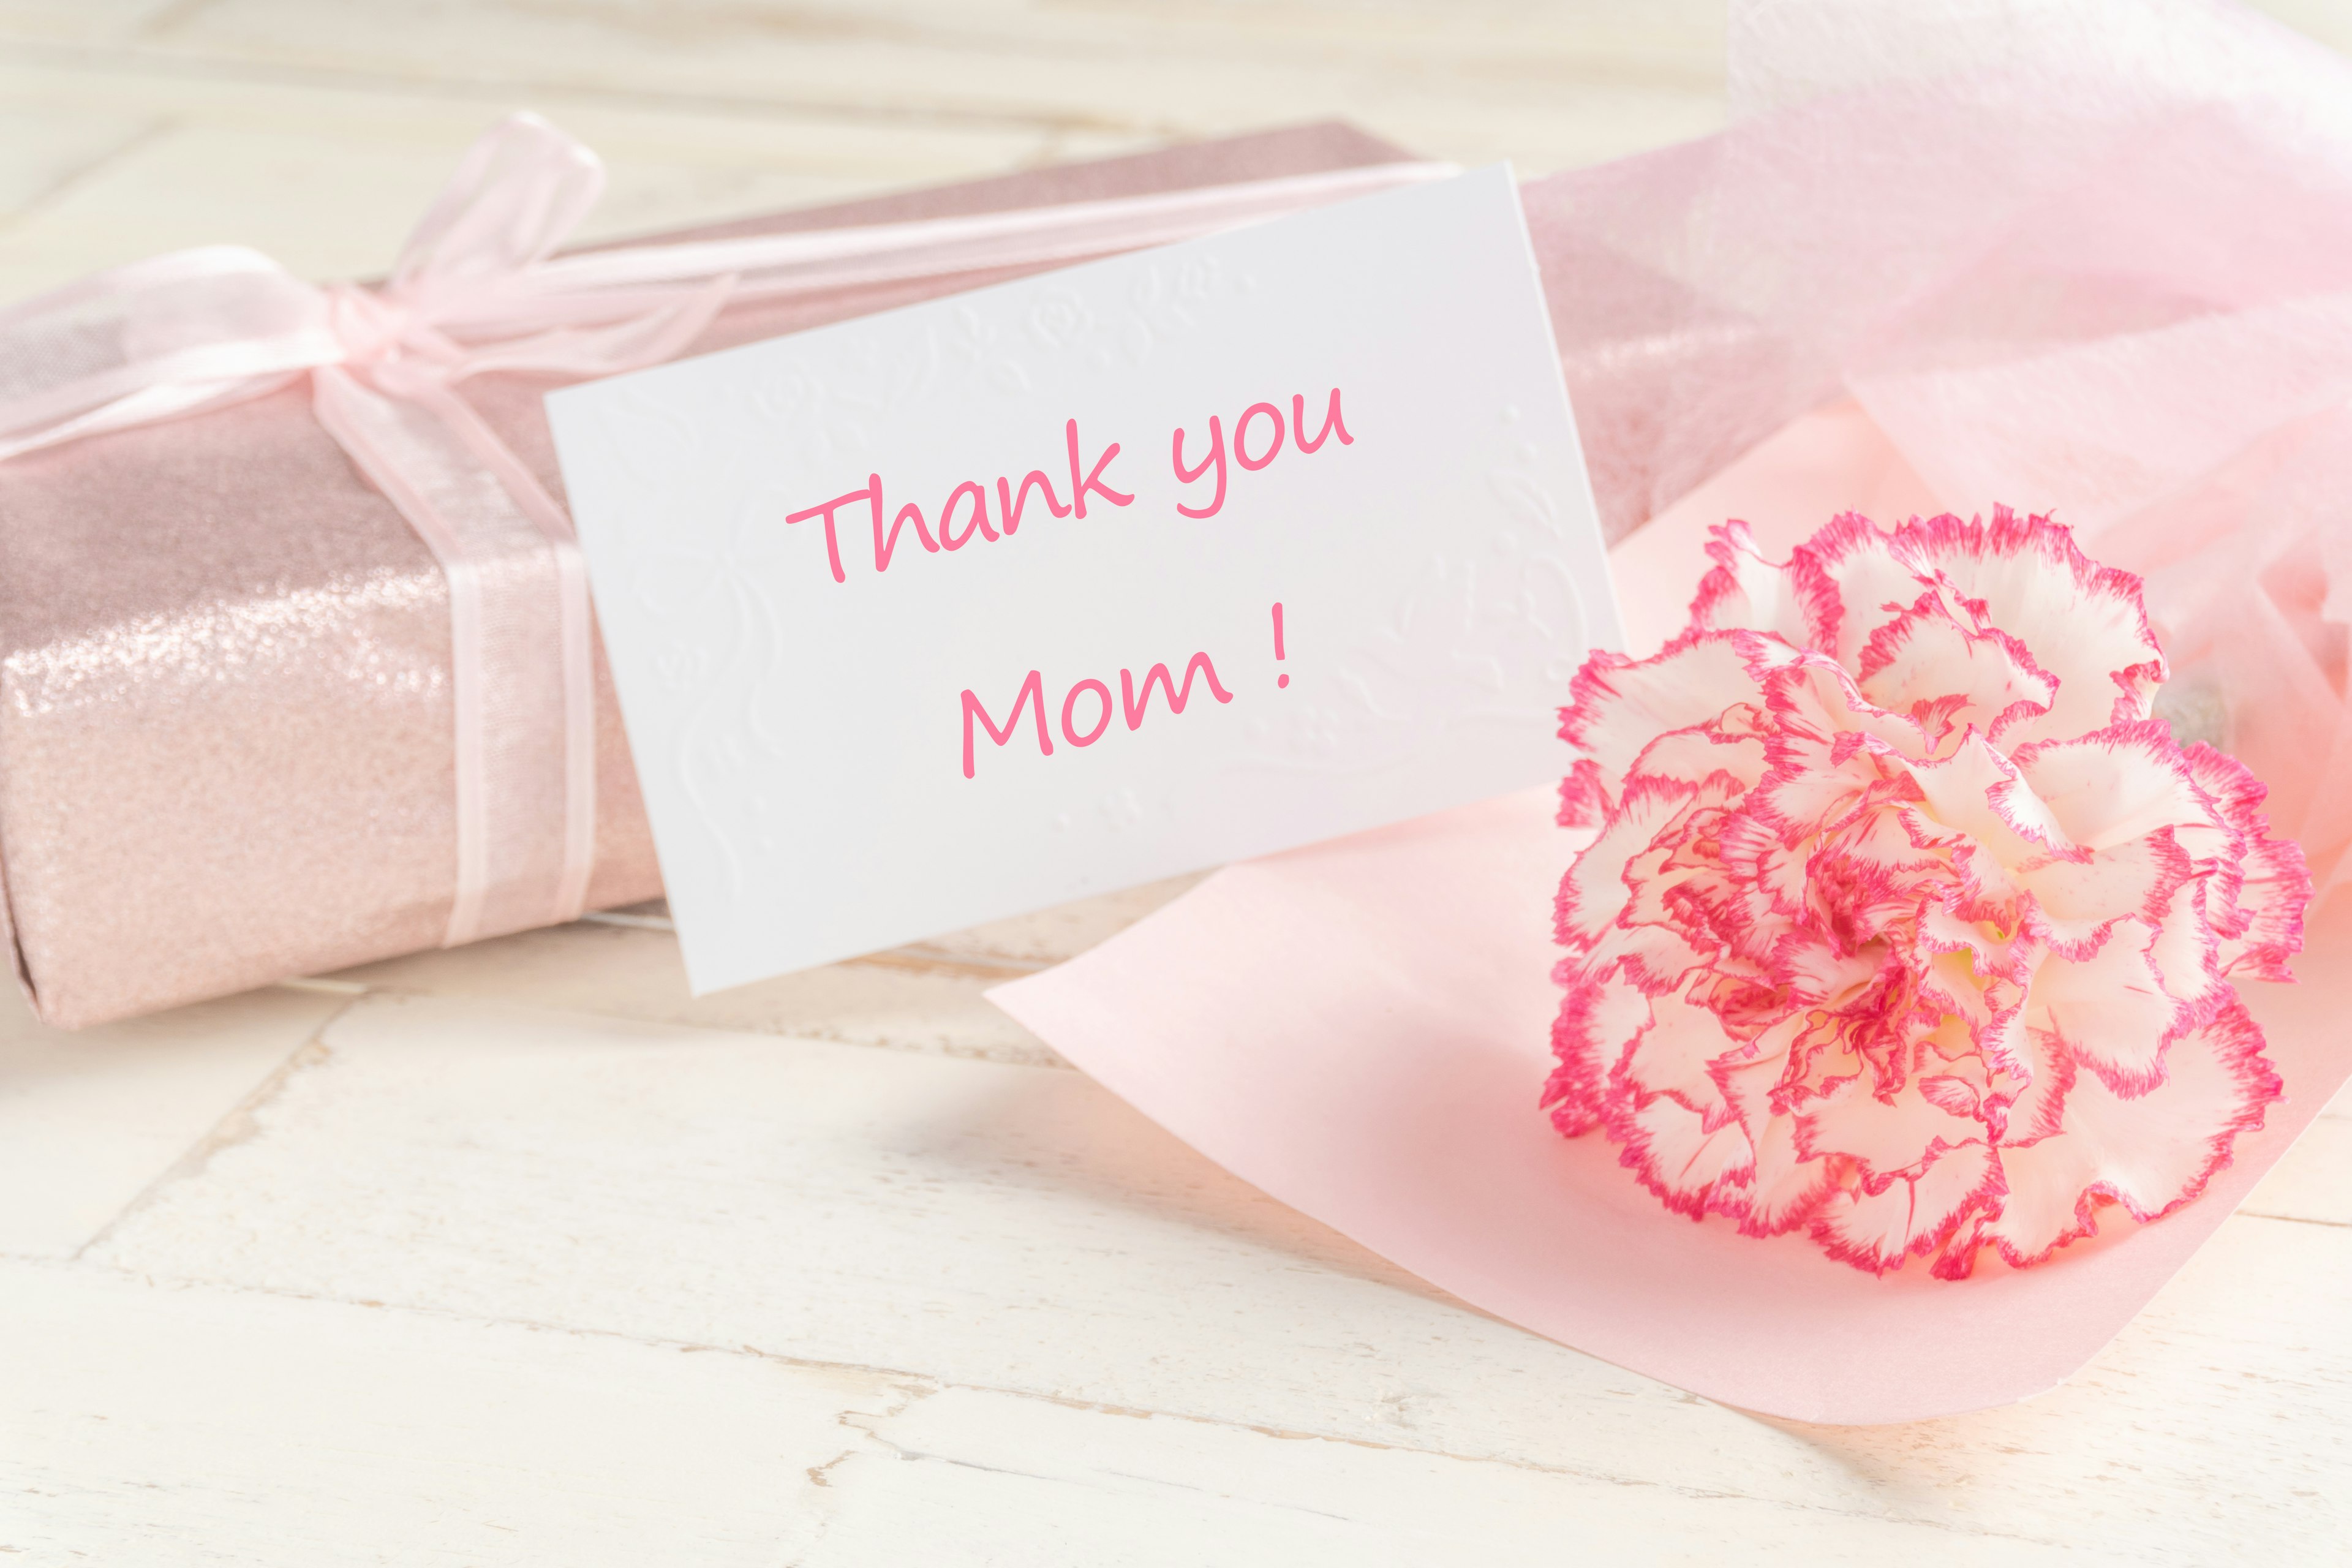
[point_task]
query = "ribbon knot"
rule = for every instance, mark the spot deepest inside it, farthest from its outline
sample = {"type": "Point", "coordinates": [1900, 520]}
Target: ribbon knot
{"type": "Point", "coordinates": [374, 328]}
{"type": "Point", "coordinates": [198, 329]}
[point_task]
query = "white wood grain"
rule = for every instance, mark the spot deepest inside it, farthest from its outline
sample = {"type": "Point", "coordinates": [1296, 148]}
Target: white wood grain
{"type": "Point", "coordinates": [967, 1476]}
{"type": "Point", "coordinates": [1017, 1228]}
{"type": "Point", "coordinates": [148, 1424]}
{"type": "Point", "coordinates": [329, 177]}
{"type": "Point", "coordinates": [1548, 85]}
{"type": "Point", "coordinates": [86, 23]}
{"type": "Point", "coordinates": [153, 1424]}
{"type": "Point", "coordinates": [929, 1001]}
{"type": "Point", "coordinates": [44, 152]}
{"type": "Point", "coordinates": [926, 997]}
{"type": "Point", "coordinates": [88, 1120]}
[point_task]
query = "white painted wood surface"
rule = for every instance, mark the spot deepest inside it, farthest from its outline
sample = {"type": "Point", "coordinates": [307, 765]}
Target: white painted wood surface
{"type": "Point", "coordinates": [518, 1255]}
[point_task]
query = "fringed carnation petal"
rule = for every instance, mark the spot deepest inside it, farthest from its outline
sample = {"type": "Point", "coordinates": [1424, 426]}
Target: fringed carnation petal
{"type": "Point", "coordinates": [2275, 889]}
{"type": "Point", "coordinates": [2029, 1100]}
{"type": "Point", "coordinates": [2186, 955]}
{"type": "Point", "coordinates": [1701, 755]}
{"type": "Point", "coordinates": [2074, 901]}
{"type": "Point", "coordinates": [1600, 1017]}
{"type": "Point", "coordinates": [1621, 705]}
{"type": "Point", "coordinates": [1673, 1056]}
{"type": "Point", "coordinates": [1788, 1189]}
{"type": "Point", "coordinates": [1873, 580]}
{"type": "Point", "coordinates": [1905, 928]}
{"type": "Point", "coordinates": [1745, 592]}
{"type": "Point", "coordinates": [1693, 1168]}
{"type": "Point", "coordinates": [2110, 1008]}
{"type": "Point", "coordinates": [2256, 900]}
{"type": "Point", "coordinates": [1977, 793]}
{"type": "Point", "coordinates": [1914, 1215]}
{"type": "Point", "coordinates": [2116, 784]}
{"type": "Point", "coordinates": [2084, 622]}
{"type": "Point", "coordinates": [1814, 700]}
{"type": "Point", "coordinates": [1888, 1134]}
{"type": "Point", "coordinates": [2149, 1153]}
{"type": "Point", "coordinates": [1946, 677]}
{"type": "Point", "coordinates": [1593, 894]}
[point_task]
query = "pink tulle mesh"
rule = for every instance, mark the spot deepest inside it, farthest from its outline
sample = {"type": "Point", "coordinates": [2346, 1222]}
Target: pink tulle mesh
{"type": "Point", "coordinates": [2090, 256]}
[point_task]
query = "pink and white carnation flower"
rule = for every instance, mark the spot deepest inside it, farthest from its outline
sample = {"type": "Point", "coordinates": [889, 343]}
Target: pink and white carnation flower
{"type": "Point", "coordinates": [1907, 925]}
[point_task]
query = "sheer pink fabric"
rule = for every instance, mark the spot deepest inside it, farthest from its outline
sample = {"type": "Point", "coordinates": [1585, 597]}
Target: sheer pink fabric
{"type": "Point", "coordinates": [2092, 257]}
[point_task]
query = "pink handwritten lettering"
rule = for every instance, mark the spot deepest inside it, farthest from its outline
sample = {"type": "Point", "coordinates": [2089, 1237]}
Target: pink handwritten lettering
{"type": "Point", "coordinates": [1010, 501]}
{"type": "Point", "coordinates": [1216, 457]}
{"type": "Point", "coordinates": [1086, 481]}
{"type": "Point", "coordinates": [1241, 436]}
{"type": "Point", "coordinates": [949, 538]}
{"type": "Point", "coordinates": [872, 492]}
{"type": "Point", "coordinates": [1133, 704]}
{"type": "Point", "coordinates": [964, 515]}
{"type": "Point", "coordinates": [885, 548]}
{"type": "Point", "coordinates": [1133, 701]}
{"type": "Point", "coordinates": [1083, 480]}
{"type": "Point", "coordinates": [1262, 424]}
{"type": "Point", "coordinates": [1032, 696]}
{"type": "Point", "coordinates": [1331, 423]}
{"type": "Point", "coordinates": [1102, 715]}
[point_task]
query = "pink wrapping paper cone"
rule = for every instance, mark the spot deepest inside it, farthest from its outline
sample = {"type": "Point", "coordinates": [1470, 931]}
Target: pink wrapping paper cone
{"type": "Point", "coordinates": [2087, 260]}
{"type": "Point", "coordinates": [1362, 1029]}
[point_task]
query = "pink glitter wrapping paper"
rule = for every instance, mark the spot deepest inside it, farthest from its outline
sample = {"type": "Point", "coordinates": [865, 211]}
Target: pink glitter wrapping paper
{"type": "Point", "coordinates": [226, 734]}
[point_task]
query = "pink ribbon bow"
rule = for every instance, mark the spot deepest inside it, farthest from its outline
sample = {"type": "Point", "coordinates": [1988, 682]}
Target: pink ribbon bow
{"type": "Point", "coordinates": [479, 288]}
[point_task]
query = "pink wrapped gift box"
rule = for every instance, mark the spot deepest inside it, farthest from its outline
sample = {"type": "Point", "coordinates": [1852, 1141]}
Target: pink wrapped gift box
{"type": "Point", "coordinates": [226, 750]}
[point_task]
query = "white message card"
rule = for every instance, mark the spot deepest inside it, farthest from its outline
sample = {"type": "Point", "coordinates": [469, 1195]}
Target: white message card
{"type": "Point", "coordinates": [1071, 583]}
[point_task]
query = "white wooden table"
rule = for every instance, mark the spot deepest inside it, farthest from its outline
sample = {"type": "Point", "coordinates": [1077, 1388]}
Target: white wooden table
{"type": "Point", "coordinates": [515, 1254]}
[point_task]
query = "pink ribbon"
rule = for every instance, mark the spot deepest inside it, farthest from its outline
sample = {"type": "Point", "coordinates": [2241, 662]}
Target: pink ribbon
{"type": "Point", "coordinates": [479, 288]}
